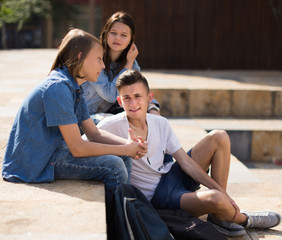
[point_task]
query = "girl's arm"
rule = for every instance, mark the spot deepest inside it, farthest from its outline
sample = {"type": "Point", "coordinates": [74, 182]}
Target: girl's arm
{"type": "Point", "coordinates": [95, 134]}
{"type": "Point", "coordinates": [131, 56]}
{"type": "Point", "coordinates": [106, 88]}
{"type": "Point", "coordinates": [105, 143]}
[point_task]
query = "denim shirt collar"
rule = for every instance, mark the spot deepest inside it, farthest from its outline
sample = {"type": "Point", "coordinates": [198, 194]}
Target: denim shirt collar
{"type": "Point", "coordinates": [64, 70]}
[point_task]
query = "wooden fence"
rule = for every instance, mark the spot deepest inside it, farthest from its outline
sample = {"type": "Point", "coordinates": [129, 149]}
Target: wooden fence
{"type": "Point", "coordinates": [205, 34]}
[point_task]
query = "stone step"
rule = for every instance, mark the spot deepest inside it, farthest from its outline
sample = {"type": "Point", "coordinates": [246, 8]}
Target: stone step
{"type": "Point", "coordinates": [252, 140]}
{"type": "Point", "coordinates": [217, 94]}
{"type": "Point", "coordinates": [189, 134]}
{"type": "Point", "coordinates": [62, 210]}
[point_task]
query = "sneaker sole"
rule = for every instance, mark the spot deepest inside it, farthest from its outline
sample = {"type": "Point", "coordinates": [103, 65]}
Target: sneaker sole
{"type": "Point", "coordinates": [229, 233]}
{"type": "Point", "coordinates": [279, 216]}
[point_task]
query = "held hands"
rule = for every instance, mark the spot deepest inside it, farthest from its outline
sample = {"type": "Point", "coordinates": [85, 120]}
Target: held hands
{"type": "Point", "coordinates": [131, 56]}
{"type": "Point", "coordinates": [137, 146]}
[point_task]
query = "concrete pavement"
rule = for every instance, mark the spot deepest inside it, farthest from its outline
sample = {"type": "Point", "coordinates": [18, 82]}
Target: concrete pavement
{"type": "Point", "coordinates": [75, 209]}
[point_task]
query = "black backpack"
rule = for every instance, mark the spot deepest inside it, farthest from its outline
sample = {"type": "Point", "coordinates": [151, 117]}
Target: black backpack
{"type": "Point", "coordinates": [131, 216]}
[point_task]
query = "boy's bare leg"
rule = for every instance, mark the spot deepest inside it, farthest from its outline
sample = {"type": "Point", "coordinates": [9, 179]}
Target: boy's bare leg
{"type": "Point", "coordinates": [211, 202]}
{"type": "Point", "coordinates": [214, 150]}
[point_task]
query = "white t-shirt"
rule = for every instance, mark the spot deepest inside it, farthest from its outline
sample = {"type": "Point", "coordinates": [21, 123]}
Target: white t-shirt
{"type": "Point", "coordinates": [147, 171]}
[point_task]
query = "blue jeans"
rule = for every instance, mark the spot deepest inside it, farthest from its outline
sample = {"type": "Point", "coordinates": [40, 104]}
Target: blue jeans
{"type": "Point", "coordinates": [110, 169]}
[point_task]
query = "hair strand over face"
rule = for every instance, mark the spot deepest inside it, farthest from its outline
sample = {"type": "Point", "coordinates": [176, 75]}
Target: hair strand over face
{"type": "Point", "coordinates": [73, 50]}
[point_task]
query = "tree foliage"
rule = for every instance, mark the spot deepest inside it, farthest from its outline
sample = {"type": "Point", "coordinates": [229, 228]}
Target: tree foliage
{"type": "Point", "coordinates": [20, 11]}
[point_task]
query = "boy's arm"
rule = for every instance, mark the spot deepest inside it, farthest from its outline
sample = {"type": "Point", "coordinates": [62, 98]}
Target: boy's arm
{"type": "Point", "coordinates": [191, 168]}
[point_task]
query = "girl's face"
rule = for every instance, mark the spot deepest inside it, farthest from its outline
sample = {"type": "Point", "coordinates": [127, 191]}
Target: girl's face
{"type": "Point", "coordinates": [92, 65]}
{"type": "Point", "coordinates": [119, 37]}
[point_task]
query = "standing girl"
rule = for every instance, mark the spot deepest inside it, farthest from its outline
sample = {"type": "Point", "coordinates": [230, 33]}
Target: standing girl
{"type": "Point", "coordinates": [45, 141]}
{"type": "Point", "coordinates": [120, 52]}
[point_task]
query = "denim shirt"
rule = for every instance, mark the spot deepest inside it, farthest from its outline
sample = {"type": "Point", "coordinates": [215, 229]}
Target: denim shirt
{"type": "Point", "coordinates": [35, 134]}
{"type": "Point", "coordinates": [101, 95]}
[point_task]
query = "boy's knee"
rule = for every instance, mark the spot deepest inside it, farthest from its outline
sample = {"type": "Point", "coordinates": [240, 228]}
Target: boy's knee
{"type": "Point", "coordinates": [217, 199]}
{"type": "Point", "coordinates": [220, 137]}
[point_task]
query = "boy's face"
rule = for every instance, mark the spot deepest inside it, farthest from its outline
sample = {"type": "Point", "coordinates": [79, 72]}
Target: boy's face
{"type": "Point", "coordinates": [134, 99]}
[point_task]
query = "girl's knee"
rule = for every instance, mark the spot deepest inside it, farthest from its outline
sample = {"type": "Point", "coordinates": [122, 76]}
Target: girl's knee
{"type": "Point", "coordinates": [119, 171]}
{"type": "Point", "coordinates": [119, 166]}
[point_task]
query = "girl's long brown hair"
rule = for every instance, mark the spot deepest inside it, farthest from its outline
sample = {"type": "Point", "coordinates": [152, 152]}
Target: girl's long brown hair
{"type": "Point", "coordinates": [76, 42]}
{"type": "Point", "coordinates": [122, 17]}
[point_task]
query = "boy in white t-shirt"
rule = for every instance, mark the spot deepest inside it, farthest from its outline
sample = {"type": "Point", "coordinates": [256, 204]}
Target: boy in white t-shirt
{"type": "Point", "coordinates": [173, 185]}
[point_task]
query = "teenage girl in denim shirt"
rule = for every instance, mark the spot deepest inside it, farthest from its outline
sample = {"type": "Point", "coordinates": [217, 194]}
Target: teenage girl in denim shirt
{"type": "Point", "coordinates": [45, 141]}
{"type": "Point", "coordinates": [120, 52]}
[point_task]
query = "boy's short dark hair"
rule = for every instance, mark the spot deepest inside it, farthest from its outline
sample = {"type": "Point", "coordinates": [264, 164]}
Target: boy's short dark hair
{"type": "Point", "coordinates": [130, 77]}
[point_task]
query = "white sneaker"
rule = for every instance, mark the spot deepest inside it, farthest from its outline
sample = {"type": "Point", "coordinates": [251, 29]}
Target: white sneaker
{"type": "Point", "coordinates": [263, 219]}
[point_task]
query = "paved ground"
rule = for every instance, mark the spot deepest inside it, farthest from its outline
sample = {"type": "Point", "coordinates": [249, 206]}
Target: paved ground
{"type": "Point", "coordinates": [75, 209]}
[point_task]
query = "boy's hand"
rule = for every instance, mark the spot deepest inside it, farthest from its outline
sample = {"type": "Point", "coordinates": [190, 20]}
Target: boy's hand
{"type": "Point", "coordinates": [237, 209]}
{"type": "Point", "coordinates": [131, 135]}
{"type": "Point", "coordinates": [137, 146]}
{"type": "Point", "coordinates": [144, 147]}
